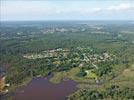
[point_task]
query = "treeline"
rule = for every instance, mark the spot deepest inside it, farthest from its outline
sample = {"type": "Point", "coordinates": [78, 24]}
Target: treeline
{"type": "Point", "coordinates": [13, 46]}
{"type": "Point", "coordinates": [111, 93]}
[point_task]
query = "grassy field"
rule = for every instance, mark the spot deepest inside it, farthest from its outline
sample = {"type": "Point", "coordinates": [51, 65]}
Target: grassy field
{"type": "Point", "coordinates": [125, 78]}
{"type": "Point", "coordinates": [71, 74]}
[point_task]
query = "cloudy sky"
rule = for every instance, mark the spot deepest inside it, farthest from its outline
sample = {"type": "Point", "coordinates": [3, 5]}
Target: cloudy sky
{"type": "Point", "coordinates": [67, 10]}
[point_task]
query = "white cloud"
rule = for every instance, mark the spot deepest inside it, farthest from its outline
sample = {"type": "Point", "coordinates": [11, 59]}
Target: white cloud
{"type": "Point", "coordinates": [97, 9]}
{"type": "Point", "coordinates": [79, 10]}
{"type": "Point", "coordinates": [45, 8]}
{"type": "Point", "coordinates": [65, 9]}
{"type": "Point", "coordinates": [121, 7]}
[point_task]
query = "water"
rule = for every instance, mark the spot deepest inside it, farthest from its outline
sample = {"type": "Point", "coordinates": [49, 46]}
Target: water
{"type": "Point", "coordinates": [42, 89]}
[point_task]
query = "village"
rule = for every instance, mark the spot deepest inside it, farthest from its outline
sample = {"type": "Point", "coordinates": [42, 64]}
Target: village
{"type": "Point", "coordinates": [80, 57]}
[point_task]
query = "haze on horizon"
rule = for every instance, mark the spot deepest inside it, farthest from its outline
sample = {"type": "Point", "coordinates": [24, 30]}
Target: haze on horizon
{"type": "Point", "coordinates": [12, 10]}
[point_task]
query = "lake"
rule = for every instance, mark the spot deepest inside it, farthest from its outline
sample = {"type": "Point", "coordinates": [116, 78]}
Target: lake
{"type": "Point", "coordinates": [41, 89]}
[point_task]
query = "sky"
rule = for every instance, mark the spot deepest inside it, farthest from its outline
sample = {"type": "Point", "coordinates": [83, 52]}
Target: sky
{"type": "Point", "coordinates": [12, 10]}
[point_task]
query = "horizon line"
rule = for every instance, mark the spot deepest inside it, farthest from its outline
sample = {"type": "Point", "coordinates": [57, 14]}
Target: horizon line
{"type": "Point", "coordinates": [70, 20]}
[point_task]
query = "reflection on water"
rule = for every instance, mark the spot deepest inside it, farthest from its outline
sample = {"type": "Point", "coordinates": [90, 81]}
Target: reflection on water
{"type": "Point", "coordinates": [42, 89]}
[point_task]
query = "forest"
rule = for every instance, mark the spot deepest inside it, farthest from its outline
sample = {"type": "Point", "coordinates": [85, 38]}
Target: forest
{"type": "Point", "coordinates": [98, 53]}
